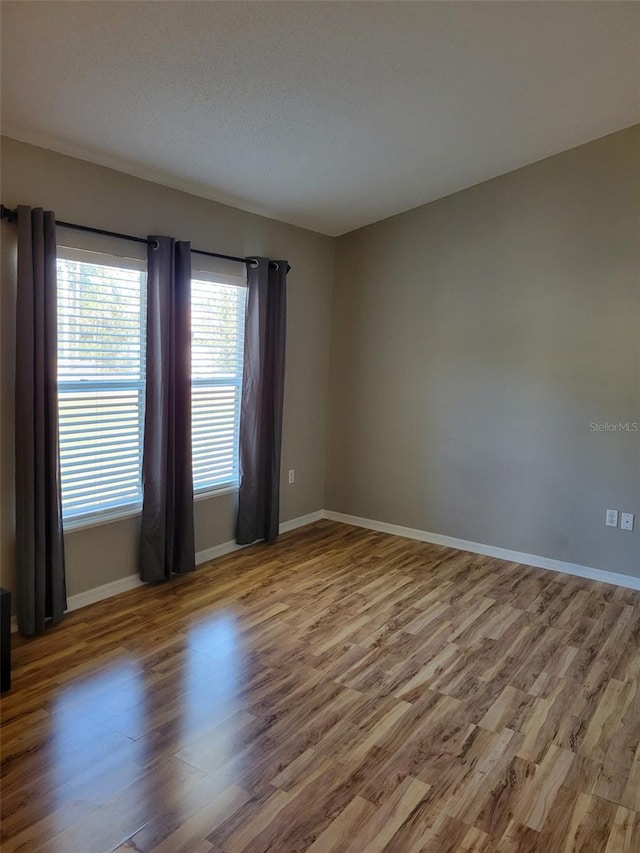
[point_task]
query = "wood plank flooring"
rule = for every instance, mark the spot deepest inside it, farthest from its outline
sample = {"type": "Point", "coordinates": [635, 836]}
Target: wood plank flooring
{"type": "Point", "coordinates": [339, 690]}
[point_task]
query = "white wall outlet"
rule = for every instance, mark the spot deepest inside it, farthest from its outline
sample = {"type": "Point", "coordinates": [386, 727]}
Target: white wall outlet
{"type": "Point", "coordinates": [612, 518]}
{"type": "Point", "coordinates": [626, 521]}
{"type": "Point", "coordinates": [292, 477]}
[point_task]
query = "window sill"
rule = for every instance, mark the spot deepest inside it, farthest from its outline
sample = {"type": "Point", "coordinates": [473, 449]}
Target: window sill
{"type": "Point", "coordinates": [215, 493]}
{"type": "Point", "coordinates": [120, 515]}
{"type": "Point", "coordinates": [98, 520]}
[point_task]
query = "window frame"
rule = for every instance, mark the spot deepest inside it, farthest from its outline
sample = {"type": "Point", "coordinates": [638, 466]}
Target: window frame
{"type": "Point", "coordinates": [106, 258]}
{"type": "Point", "coordinates": [206, 270]}
{"type": "Point", "coordinates": [209, 273]}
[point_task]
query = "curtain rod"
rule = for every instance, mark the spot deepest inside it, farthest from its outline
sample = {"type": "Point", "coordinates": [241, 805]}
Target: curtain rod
{"type": "Point", "coordinates": [11, 216]}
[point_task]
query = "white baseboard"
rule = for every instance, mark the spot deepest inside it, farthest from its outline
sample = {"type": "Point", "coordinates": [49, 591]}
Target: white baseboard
{"type": "Point", "coordinates": [231, 546]}
{"type": "Point", "coordinates": [217, 551]}
{"type": "Point", "coordinates": [107, 590]}
{"type": "Point", "coordinates": [91, 596]}
{"type": "Point", "coordinates": [99, 593]}
{"type": "Point", "coordinates": [534, 560]}
{"type": "Point", "coordinates": [301, 521]}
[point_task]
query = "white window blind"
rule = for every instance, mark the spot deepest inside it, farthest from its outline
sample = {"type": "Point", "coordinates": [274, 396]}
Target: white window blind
{"type": "Point", "coordinates": [217, 342]}
{"type": "Point", "coordinates": [101, 371]}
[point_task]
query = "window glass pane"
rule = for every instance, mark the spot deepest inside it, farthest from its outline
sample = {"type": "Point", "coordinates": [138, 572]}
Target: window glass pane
{"type": "Point", "coordinates": [101, 381]}
{"type": "Point", "coordinates": [217, 341]}
{"type": "Point", "coordinates": [101, 354]}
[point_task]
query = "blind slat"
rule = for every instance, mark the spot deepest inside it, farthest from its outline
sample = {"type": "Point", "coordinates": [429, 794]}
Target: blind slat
{"type": "Point", "coordinates": [217, 342]}
{"type": "Point", "coordinates": [101, 326]}
{"type": "Point", "coordinates": [101, 370]}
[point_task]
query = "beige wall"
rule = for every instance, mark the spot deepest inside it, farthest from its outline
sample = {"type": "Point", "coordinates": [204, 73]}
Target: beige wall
{"type": "Point", "coordinates": [81, 192]}
{"type": "Point", "coordinates": [474, 341]}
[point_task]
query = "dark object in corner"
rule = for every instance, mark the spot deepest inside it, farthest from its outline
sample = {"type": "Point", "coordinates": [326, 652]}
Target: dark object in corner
{"type": "Point", "coordinates": [5, 640]}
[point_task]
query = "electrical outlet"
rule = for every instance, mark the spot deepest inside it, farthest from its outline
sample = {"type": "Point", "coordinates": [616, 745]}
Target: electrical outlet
{"type": "Point", "coordinates": [626, 521]}
{"type": "Point", "coordinates": [612, 518]}
{"type": "Point", "coordinates": [292, 476]}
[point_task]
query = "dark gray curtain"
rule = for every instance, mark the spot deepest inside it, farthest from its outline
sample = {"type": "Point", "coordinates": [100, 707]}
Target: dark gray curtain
{"type": "Point", "coordinates": [167, 540]}
{"type": "Point", "coordinates": [262, 398]}
{"type": "Point", "coordinates": [39, 543]}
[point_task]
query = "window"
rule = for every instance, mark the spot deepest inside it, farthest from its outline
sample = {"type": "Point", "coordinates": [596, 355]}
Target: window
{"type": "Point", "coordinates": [101, 380]}
{"type": "Point", "coordinates": [217, 342]}
{"type": "Point", "coordinates": [101, 370]}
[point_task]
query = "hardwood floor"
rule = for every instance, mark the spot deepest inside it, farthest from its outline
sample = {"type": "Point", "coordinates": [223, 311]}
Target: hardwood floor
{"type": "Point", "coordinates": [338, 690]}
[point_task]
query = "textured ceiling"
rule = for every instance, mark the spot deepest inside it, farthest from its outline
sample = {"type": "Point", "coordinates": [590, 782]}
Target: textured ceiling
{"type": "Point", "coordinates": [326, 115]}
